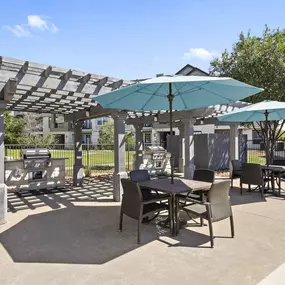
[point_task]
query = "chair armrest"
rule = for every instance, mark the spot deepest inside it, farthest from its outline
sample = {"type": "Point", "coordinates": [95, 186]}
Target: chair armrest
{"type": "Point", "coordinates": [196, 201]}
{"type": "Point", "coordinates": [155, 200]}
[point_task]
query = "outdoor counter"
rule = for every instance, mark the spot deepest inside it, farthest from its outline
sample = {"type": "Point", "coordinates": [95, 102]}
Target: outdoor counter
{"type": "Point", "coordinates": [18, 178]}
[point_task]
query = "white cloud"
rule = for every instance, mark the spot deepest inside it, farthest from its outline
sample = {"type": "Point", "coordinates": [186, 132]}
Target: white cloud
{"type": "Point", "coordinates": [200, 53]}
{"type": "Point", "coordinates": [18, 30]}
{"type": "Point", "coordinates": [35, 23]}
{"type": "Point", "coordinates": [43, 24]}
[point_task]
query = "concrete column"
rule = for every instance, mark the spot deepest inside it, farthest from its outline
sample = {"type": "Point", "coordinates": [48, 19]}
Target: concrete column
{"type": "Point", "coordinates": [181, 148]}
{"type": "Point", "coordinates": [119, 154]}
{"type": "Point", "coordinates": [234, 146]}
{"type": "Point", "coordinates": [189, 148]}
{"type": "Point", "coordinates": [78, 168]}
{"type": "Point", "coordinates": [3, 188]}
{"type": "Point", "coordinates": [46, 128]}
{"type": "Point", "coordinates": [139, 146]}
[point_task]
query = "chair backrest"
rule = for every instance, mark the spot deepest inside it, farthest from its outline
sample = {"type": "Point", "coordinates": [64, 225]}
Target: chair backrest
{"type": "Point", "coordinates": [279, 162]}
{"type": "Point", "coordinates": [218, 197]}
{"type": "Point", "coordinates": [236, 165]}
{"type": "Point", "coordinates": [132, 199]}
{"type": "Point", "coordinates": [139, 175]}
{"type": "Point", "coordinates": [252, 174]}
{"type": "Point", "coordinates": [206, 175]}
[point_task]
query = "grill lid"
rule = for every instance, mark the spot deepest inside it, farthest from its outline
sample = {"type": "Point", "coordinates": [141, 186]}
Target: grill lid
{"type": "Point", "coordinates": [35, 153]}
{"type": "Point", "coordinates": [154, 149]}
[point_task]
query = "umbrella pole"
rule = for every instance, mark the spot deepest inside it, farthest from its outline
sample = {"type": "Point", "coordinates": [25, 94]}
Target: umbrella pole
{"type": "Point", "coordinates": [170, 100]}
{"type": "Point", "coordinates": [266, 137]}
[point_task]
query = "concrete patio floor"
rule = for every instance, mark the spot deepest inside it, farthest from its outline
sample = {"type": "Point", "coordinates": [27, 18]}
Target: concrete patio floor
{"type": "Point", "coordinates": [72, 238]}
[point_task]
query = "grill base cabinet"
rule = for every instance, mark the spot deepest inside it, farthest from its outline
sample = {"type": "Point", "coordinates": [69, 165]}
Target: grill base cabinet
{"type": "Point", "coordinates": [156, 160]}
{"type": "Point", "coordinates": [18, 177]}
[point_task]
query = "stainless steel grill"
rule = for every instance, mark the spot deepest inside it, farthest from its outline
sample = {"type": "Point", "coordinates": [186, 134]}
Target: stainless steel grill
{"type": "Point", "coordinates": [156, 160]}
{"type": "Point", "coordinates": [38, 158]}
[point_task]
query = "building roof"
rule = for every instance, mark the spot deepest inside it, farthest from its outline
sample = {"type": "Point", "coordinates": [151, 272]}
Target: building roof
{"type": "Point", "coordinates": [189, 69]}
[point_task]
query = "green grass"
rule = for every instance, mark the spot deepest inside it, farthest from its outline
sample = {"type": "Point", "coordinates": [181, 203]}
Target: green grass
{"type": "Point", "coordinates": [256, 156]}
{"type": "Point", "coordinates": [89, 158]}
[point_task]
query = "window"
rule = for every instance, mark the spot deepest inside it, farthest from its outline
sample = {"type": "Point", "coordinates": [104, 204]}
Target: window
{"type": "Point", "coordinates": [255, 135]}
{"type": "Point", "coordinates": [147, 138]}
{"type": "Point", "coordinates": [102, 121]}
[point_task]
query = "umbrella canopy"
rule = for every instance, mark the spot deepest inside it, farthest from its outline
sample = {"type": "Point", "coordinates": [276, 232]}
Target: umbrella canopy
{"type": "Point", "coordinates": [256, 112]}
{"type": "Point", "coordinates": [178, 93]}
{"type": "Point", "coordinates": [190, 92]}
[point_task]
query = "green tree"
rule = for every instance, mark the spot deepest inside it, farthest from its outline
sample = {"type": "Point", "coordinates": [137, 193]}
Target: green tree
{"type": "Point", "coordinates": [13, 129]}
{"type": "Point", "coordinates": [259, 61]}
{"type": "Point", "coordinates": [106, 135]}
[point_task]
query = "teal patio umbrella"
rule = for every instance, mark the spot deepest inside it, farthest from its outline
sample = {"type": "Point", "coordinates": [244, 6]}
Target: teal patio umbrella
{"type": "Point", "coordinates": [176, 93]}
{"type": "Point", "coordinates": [262, 111]}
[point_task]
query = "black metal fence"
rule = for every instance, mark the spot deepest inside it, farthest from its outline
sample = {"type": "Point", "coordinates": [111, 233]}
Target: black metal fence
{"type": "Point", "coordinates": [256, 151]}
{"type": "Point", "coordinates": [97, 159]}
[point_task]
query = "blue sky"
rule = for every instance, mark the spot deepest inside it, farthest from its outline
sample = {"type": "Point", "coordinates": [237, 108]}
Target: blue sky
{"type": "Point", "coordinates": [130, 39]}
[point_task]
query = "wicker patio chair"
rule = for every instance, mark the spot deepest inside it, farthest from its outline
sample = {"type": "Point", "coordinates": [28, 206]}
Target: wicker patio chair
{"type": "Point", "coordinates": [236, 170]}
{"type": "Point", "coordinates": [134, 206]}
{"type": "Point", "coordinates": [252, 174]}
{"type": "Point", "coordinates": [217, 208]}
{"type": "Point", "coordinates": [205, 175]}
{"type": "Point", "coordinates": [148, 194]}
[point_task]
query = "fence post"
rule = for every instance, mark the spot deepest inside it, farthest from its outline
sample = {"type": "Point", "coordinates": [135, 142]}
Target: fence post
{"type": "Point", "coordinates": [87, 154]}
{"type": "Point", "coordinates": [128, 151]}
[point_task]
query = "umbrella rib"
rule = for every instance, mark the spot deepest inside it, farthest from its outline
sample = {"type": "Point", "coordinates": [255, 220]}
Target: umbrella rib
{"type": "Point", "coordinates": [119, 99]}
{"type": "Point", "coordinates": [150, 98]}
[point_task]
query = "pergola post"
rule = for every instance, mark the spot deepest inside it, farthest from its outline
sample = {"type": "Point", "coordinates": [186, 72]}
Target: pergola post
{"type": "Point", "coordinates": [46, 128]}
{"type": "Point", "coordinates": [78, 168]}
{"type": "Point", "coordinates": [138, 146]}
{"type": "Point", "coordinates": [189, 148]}
{"type": "Point", "coordinates": [3, 188]}
{"type": "Point", "coordinates": [119, 154]}
{"type": "Point", "coordinates": [181, 147]}
{"type": "Point", "coordinates": [234, 145]}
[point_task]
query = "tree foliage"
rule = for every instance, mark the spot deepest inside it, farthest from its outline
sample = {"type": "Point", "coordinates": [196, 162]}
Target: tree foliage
{"type": "Point", "coordinates": [106, 137]}
{"type": "Point", "coordinates": [259, 61]}
{"type": "Point", "coordinates": [13, 129]}
{"type": "Point", "coordinates": [106, 134]}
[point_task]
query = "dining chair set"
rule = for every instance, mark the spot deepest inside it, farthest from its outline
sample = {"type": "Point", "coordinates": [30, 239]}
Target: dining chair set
{"type": "Point", "coordinates": [144, 204]}
{"type": "Point", "coordinates": [261, 176]}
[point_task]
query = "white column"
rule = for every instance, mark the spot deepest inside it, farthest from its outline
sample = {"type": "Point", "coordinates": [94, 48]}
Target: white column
{"type": "Point", "coordinates": [181, 148]}
{"type": "Point", "coordinates": [234, 146]}
{"type": "Point", "coordinates": [46, 128]}
{"type": "Point", "coordinates": [139, 146]}
{"type": "Point", "coordinates": [3, 188]}
{"type": "Point", "coordinates": [189, 148]}
{"type": "Point", "coordinates": [78, 168]}
{"type": "Point", "coordinates": [119, 154]}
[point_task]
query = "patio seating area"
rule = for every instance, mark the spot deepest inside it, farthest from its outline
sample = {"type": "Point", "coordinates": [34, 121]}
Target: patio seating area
{"type": "Point", "coordinates": [68, 236]}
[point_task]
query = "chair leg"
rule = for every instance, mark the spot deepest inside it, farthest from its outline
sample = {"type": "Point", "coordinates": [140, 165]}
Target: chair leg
{"type": "Point", "coordinates": [201, 222]}
{"type": "Point", "coordinates": [232, 226]}
{"type": "Point", "coordinates": [211, 232]}
{"type": "Point", "coordinates": [241, 189]}
{"type": "Point", "coordinates": [232, 183]}
{"type": "Point", "coordinates": [121, 221]}
{"type": "Point", "coordinates": [262, 191]}
{"type": "Point", "coordinates": [139, 231]}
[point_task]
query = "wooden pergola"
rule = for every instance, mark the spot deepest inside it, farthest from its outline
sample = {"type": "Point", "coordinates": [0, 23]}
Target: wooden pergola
{"type": "Point", "coordinates": [32, 87]}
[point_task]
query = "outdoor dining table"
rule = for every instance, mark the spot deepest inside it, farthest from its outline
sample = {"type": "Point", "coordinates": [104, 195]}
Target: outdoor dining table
{"type": "Point", "coordinates": [178, 187]}
{"type": "Point", "coordinates": [277, 171]}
